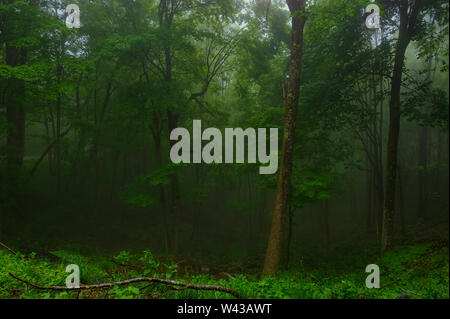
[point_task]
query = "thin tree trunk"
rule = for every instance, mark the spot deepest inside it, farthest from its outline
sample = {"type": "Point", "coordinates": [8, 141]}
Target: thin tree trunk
{"type": "Point", "coordinates": [402, 201]}
{"type": "Point", "coordinates": [162, 196]}
{"type": "Point", "coordinates": [423, 153]}
{"type": "Point", "coordinates": [166, 16]}
{"type": "Point", "coordinates": [379, 171]}
{"type": "Point", "coordinates": [423, 160]}
{"type": "Point", "coordinates": [48, 139]}
{"type": "Point", "coordinates": [175, 190]}
{"type": "Point", "coordinates": [15, 112]}
{"type": "Point", "coordinates": [289, 238]}
{"type": "Point", "coordinates": [326, 224]}
{"type": "Point", "coordinates": [407, 23]}
{"type": "Point", "coordinates": [15, 140]}
{"type": "Point", "coordinates": [59, 71]}
{"type": "Point", "coordinates": [369, 215]}
{"type": "Point", "coordinates": [52, 152]}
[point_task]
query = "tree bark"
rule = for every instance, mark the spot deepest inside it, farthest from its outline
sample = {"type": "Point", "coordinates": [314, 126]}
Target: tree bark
{"type": "Point", "coordinates": [59, 72]}
{"type": "Point", "coordinates": [289, 237]}
{"type": "Point", "coordinates": [273, 253]}
{"type": "Point", "coordinates": [175, 190]}
{"type": "Point", "coordinates": [326, 224]}
{"type": "Point", "coordinates": [424, 139]}
{"type": "Point", "coordinates": [422, 181]}
{"type": "Point", "coordinates": [15, 112]}
{"type": "Point", "coordinates": [156, 133]}
{"type": "Point", "coordinates": [408, 17]}
{"type": "Point", "coordinates": [402, 202]}
{"type": "Point", "coordinates": [15, 140]}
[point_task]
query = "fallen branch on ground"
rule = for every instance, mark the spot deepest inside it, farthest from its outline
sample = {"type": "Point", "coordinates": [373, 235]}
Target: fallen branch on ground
{"type": "Point", "coordinates": [126, 282]}
{"type": "Point", "coordinates": [228, 275]}
{"type": "Point", "coordinates": [131, 281]}
{"type": "Point", "coordinates": [409, 291]}
{"type": "Point", "coordinates": [10, 250]}
{"type": "Point", "coordinates": [7, 248]}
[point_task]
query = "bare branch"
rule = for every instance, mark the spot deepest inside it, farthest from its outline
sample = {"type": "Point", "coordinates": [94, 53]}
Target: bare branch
{"type": "Point", "coordinates": [8, 249]}
{"type": "Point", "coordinates": [131, 281]}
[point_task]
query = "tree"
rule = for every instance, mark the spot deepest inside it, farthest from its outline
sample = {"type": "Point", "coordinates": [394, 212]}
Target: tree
{"type": "Point", "coordinates": [273, 253]}
{"type": "Point", "coordinates": [18, 33]}
{"type": "Point", "coordinates": [410, 15]}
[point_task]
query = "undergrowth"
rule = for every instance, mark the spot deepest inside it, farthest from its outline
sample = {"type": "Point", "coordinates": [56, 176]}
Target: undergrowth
{"type": "Point", "coordinates": [418, 270]}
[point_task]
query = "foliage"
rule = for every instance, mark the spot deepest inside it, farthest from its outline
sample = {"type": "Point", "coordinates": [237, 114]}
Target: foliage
{"type": "Point", "coordinates": [420, 268]}
{"type": "Point", "coordinates": [99, 104]}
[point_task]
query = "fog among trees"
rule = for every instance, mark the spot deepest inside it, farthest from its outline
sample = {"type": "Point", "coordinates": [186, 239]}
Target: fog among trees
{"type": "Point", "coordinates": [362, 115]}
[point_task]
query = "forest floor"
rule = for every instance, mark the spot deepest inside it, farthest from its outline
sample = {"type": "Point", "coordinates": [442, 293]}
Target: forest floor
{"type": "Point", "coordinates": [418, 267]}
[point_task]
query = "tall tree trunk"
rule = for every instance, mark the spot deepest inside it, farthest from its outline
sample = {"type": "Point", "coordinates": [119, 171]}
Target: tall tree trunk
{"type": "Point", "coordinates": [423, 160]}
{"type": "Point", "coordinates": [59, 70]}
{"type": "Point", "coordinates": [15, 112]}
{"type": "Point", "coordinates": [156, 133]}
{"type": "Point", "coordinates": [273, 253]}
{"type": "Point", "coordinates": [326, 224]}
{"type": "Point", "coordinates": [424, 139]}
{"type": "Point", "coordinates": [379, 171]}
{"type": "Point", "coordinates": [175, 190]}
{"type": "Point", "coordinates": [408, 17]}
{"type": "Point", "coordinates": [15, 140]}
{"type": "Point", "coordinates": [402, 201]}
{"type": "Point", "coordinates": [48, 140]}
{"type": "Point", "coordinates": [166, 13]}
{"type": "Point", "coordinates": [369, 195]}
{"type": "Point", "coordinates": [289, 237]}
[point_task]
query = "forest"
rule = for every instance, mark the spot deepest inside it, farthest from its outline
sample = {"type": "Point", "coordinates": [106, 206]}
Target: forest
{"type": "Point", "coordinates": [92, 93]}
